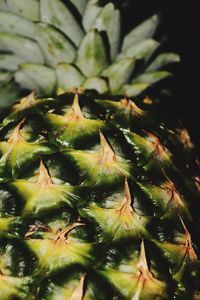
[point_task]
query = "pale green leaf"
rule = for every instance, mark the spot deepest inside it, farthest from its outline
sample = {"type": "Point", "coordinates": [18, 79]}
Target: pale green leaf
{"type": "Point", "coordinates": [141, 50]}
{"type": "Point", "coordinates": [56, 13]}
{"type": "Point", "coordinates": [90, 14]}
{"type": "Point", "coordinates": [135, 89]}
{"type": "Point", "coordinates": [26, 8]}
{"type": "Point", "coordinates": [162, 60]}
{"type": "Point", "coordinates": [12, 23]}
{"type": "Point", "coordinates": [36, 77]}
{"type": "Point", "coordinates": [55, 47]}
{"type": "Point", "coordinates": [80, 5]}
{"type": "Point", "coordinates": [119, 73]}
{"type": "Point", "coordinates": [96, 83]}
{"type": "Point", "coordinates": [10, 62]}
{"type": "Point", "coordinates": [22, 47]}
{"type": "Point", "coordinates": [68, 76]}
{"type": "Point", "coordinates": [151, 77]}
{"type": "Point", "coordinates": [109, 20]}
{"type": "Point", "coordinates": [3, 5]}
{"type": "Point", "coordinates": [91, 56]}
{"type": "Point", "coordinates": [143, 31]}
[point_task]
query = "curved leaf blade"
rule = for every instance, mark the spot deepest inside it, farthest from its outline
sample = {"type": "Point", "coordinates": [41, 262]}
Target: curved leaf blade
{"type": "Point", "coordinates": [26, 8]}
{"type": "Point", "coordinates": [91, 56]}
{"type": "Point", "coordinates": [12, 23]}
{"type": "Point", "coordinates": [36, 77]}
{"type": "Point", "coordinates": [108, 20]}
{"type": "Point", "coordinates": [90, 14]}
{"type": "Point", "coordinates": [143, 31]}
{"type": "Point", "coordinates": [55, 47]}
{"type": "Point", "coordinates": [10, 62]}
{"type": "Point", "coordinates": [162, 60]}
{"type": "Point", "coordinates": [68, 76]}
{"type": "Point", "coordinates": [119, 73]}
{"type": "Point", "coordinates": [56, 13]}
{"type": "Point", "coordinates": [20, 46]}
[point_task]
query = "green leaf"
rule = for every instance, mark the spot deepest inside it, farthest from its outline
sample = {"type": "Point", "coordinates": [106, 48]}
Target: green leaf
{"type": "Point", "coordinates": [68, 76]}
{"type": "Point", "coordinates": [96, 83]}
{"type": "Point", "coordinates": [80, 5]}
{"type": "Point", "coordinates": [144, 31]}
{"type": "Point", "coordinates": [10, 62]}
{"type": "Point", "coordinates": [141, 50]}
{"type": "Point", "coordinates": [109, 20]}
{"type": "Point", "coordinates": [56, 13]}
{"type": "Point", "coordinates": [162, 60]}
{"type": "Point", "coordinates": [119, 72]}
{"type": "Point", "coordinates": [36, 77]}
{"type": "Point", "coordinates": [151, 77]}
{"type": "Point", "coordinates": [22, 47]}
{"type": "Point", "coordinates": [25, 8]}
{"type": "Point", "coordinates": [91, 56]}
{"type": "Point", "coordinates": [134, 89]}
{"type": "Point", "coordinates": [3, 5]}
{"type": "Point", "coordinates": [55, 46]}
{"type": "Point", "coordinates": [90, 14]}
{"type": "Point", "coordinates": [12, 23]}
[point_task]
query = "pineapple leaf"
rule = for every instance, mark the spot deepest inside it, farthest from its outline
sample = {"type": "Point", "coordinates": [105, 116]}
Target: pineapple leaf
{"type": "Point", "coordinates": [21, 46]}
{"type": "Point", "coordinates": [134, 89]}
{"type": "Point", "coordinates": [55, 47]}
{"type": "Point", "coordinates": [91, 56]}
{"type": "Point", "coordinates": [144, 31]}
{"type": "Point", "coordinates": [151, 77]}
{"type": "Point", "coordinates": [10, 62]}
{"type": "Point", "coordinates": [119, 72]}
{"type": "Point", "coordinates": [90, 14]}
{"type": "Point", "coordinates": [96, 83]}
{"type": "Point", "coordinates": [108, 20]}
{"type": "Point", "coordinates": [36, 77]}
{"type": "Point", "coordinates": [3, 5]}
{"type": "Point", "coordinates": [80, 5]}
{"type": "Point", "coordinates": [141, 50]}
{"type": "Point", "coordinates": [68, 76]}
{"type": "Point", "coordinates": [25, 8]}
{"type": "Point", "coordinates": [56, 13]}
{"type": "Point", "coordinates": [12, 23]}
{"type": "Point", "coordinates": [162, 60]}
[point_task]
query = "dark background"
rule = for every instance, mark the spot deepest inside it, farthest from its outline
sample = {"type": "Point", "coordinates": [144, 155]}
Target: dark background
{"type": "Point", "coordinates": [180, 22]}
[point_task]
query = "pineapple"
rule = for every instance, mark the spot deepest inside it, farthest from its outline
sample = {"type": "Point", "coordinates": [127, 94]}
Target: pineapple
{"type": "Point", "coordinates": [98, 191]}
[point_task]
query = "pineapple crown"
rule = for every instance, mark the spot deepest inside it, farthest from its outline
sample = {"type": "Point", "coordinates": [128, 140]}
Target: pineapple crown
{"type": "Point", "coordinates": [51, 46]}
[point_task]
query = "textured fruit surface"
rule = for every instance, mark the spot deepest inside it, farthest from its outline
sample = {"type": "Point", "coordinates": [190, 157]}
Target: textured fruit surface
{"type": "Point", "coordinates": [51, 45]}
{"type": "Point", "coordinates": [98, 200]}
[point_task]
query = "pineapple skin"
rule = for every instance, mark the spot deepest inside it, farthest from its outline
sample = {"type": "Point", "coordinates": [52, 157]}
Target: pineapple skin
{"type": "Point", "coordinates": [98, 200]}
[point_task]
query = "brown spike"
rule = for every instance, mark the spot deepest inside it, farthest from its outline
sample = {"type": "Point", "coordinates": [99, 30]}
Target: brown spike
{"type": "Point", "coordinates": [78, 291]}
{"type": "Point", "coordinates": [62, 235]}
{"type": "Point", "coordinates": [107, 155]}
{"type": "Point", "coordinates": [75, 112]}
{"type": "Point", "coordinates": [16, 136]}
{"type": "Point", "coordinates": [44, 178]}
{"type": "Point", "coordinates": [188, 243]}
{"type": "Point", "coordinates": [126, 204]}
{"type": "Point", "coordinates": [142, 263]}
